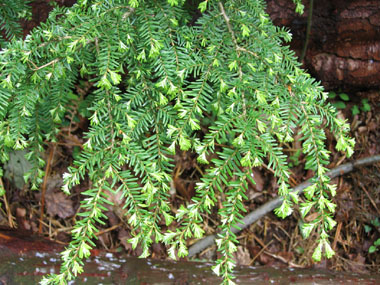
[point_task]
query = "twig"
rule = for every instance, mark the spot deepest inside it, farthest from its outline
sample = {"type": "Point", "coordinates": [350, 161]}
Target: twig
{"type": "Point", "coordinates": [260, 252]}
{"type": "Point", "coordinates": [276, 202]}
{"type": "Point", "coordinates": [43, 190]}
{"type": "Point", "coordinates": [258, 240]}
{"type": "Point", "coordinates": [308, 29]}
{"type": "Point", "coordinates": [279, 257]}
{"type": "Point", "coordinates": [7, 208]}
{"type": "Point", "coordinates": [337, 235]}
{"type": "Point", "coordinates": [47, 64]}
{"type": "Point", "coordinates": [369, 197]}
{"type": "Point", "coordinates": [227, 20]}
{"type": "Point", "coordinates": [108, 229]}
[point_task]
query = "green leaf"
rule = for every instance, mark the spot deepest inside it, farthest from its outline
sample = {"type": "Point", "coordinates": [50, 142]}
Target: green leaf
{"type": "Point", "coordinates": [184, 143]}
{"type": "Point", "coordinates": [261, 126]}
{"type": "Point", "coordinates": [198, 231]}
{"type": "Point", "coordinates": [284, 210]}
{"type": "Point", "coordinates": [202, 158]}
{"type": "Point", "coordinates": [261, 98]}
{"type": "Point", "coordinates": [216, 269]}
{"type": "Point", "coordinates": [171, 148]}
{"type": "Point", "coordinates": [8, 141]}
{"type": "Point", "coordinates": [194, 124]}
{"type": "Point", "coordinates": [115, 77]}
{"type": "Point", "coordinates": [182, 250]}
{"type": "Point", "coordinates": [355, 110]}
{"type": "Point", "coordinates": [331, 223]}
{"type": "Point", "coordinates": [306, 229]}
{"type": "Point", "coordinates": [331, 94]}
{"type": "Point", "coordinates": [367, 229]}
{"type": "Point", "coordinates": [104, 83]}
{"type": "Point", "coordinates": [339, 105]}
{"type": "Point", "coordinates": [134, 241]}
{"type": "Point", "coordinates": [309, 191]}
{"type": "Point", "coordinates": [376, 222]}
{"type": "Point", "coordinates": [239, 140]}
{"type": "Point", "coordinates": [317, 255]}
{"type": "Point", "coordinates": [305, 208]}
{"type": "Point", "coordinates": [245, 30]}
{"type": "Point", "coordinates": [173, 2]}
{"type": "Point", "coordinates": [77, 268]}
{"type": "Point", "coordinates": [168, 218]}
{"type": "Point", "coordinates": [246, 160]}
{"type": "Point", "coordinates": [366, 107]}
{"type": "Point", "coordinates": [331, 206]}
{"type": "Point", "coordinates": [202, 6]}
{"type": "Point", "coordinates": [372, 249]}
{"type": "Point", "coordinates": [7, 82]}
{"type": "Point", "coordinates": [344, 97]}
{"type": "Point", "coordinates": [329, 252]}
{"type": "Point", "coordinates": [84, 250]}
{"type": "Point", "coordinates": [233, 65]}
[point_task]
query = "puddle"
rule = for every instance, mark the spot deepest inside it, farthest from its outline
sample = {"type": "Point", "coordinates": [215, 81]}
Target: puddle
{"type": "Point", "coordinates": [25, 258]}
{"type": "Point", "coordinates": [28, 268]}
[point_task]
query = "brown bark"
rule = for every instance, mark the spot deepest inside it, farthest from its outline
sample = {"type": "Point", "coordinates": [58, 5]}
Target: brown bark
{"type": "Point", "coordinates": [344, 44]}
{"type": "Point", "coordinates": [40, 12]}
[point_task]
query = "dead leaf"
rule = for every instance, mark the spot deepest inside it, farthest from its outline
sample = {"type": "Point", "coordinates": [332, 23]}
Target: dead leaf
{"type": "Point", "coordinates": [286, 256]}
{"type": "Point", "coordinates": [242, 256]}
{"type": "Point", "coordinates": [158, 250]}
{"type": "Point", "coordinates": [118, 202]}
{"type": "Point", "coordinates": [258, 178]}
{"type": "Point", "coordinates": [21, 219]}
{"type": "Point", "coordinates": [358, 264]}
{"type": "Point", "coordinates": [54, 182]}
{"type": "Point", "coordinates": [184, 188]}
{"type": "Point", "coordinates": [59, 204]}
{"type": "Point", "coordinates": [124, 236]}
{"type": "Point", "coordinates": [311, 217]}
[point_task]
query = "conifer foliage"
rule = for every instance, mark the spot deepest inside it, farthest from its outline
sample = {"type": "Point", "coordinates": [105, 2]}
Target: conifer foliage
{"type": "Point", "coordinates": [11, 12]}
{"type": "Point", "coordinates": [158, 68]}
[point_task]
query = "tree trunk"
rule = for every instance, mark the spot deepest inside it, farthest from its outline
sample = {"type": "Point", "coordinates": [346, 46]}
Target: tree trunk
{"type": "Point", "coordinates": [344, 45]}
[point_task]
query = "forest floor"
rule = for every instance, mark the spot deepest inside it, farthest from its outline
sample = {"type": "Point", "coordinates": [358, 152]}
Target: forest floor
{"type": "Point", "coordinates": [269, 241]}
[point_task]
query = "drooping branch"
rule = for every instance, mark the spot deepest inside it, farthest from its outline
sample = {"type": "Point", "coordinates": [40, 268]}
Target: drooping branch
{"type": "Point", "coordinates": [237, 48]}
{"type": "Point", "coordinates": [276, 202]}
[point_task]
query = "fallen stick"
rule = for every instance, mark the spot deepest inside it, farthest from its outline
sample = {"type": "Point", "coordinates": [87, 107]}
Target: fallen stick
{"type": "Point", "coordinates": [276, 202]}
